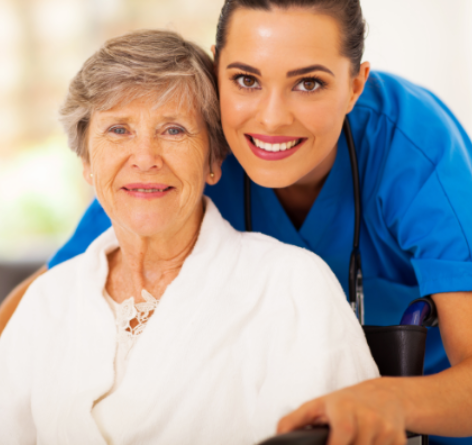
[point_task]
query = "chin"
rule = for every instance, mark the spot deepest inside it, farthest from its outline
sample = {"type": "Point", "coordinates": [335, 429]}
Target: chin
{"type": "Point", "coordinates": [148, 224]}
{"type": "Point", "coordinates": [274, 179]}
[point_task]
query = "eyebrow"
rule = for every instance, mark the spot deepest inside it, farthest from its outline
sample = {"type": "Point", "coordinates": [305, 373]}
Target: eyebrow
{"type": "Point", "coordinates": [244, 67]}
{"type": "Point", "coordinates": [125, 118]}
{"type": "Point", "coordinates": [106, 118]}
{"type": "Point", "coordinates": [309, 69]}
{"type": "Point", "coordinates": [293, 73]}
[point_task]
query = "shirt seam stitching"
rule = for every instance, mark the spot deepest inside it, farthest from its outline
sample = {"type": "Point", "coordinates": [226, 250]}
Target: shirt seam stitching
{"type": "Point", "coordinates": [435, 172]}
{"type": "Point", "coordinates": [387, 117]}
{"type": "Point", "coordinates": [455, 213]}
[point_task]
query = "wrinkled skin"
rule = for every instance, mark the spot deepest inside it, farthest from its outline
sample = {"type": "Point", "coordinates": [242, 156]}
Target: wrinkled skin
{"type": "Point", "coordinates": [140, 143]}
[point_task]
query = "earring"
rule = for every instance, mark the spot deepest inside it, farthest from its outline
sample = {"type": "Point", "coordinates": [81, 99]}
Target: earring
{"type": "Point", "coordinates": [91, 175]}
{"type": "Point", "coordinates": [212, 175]}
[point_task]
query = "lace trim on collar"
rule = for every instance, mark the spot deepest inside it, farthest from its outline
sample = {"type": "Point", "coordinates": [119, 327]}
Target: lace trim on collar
{"type": "Point", "coordinates": [131, 317]}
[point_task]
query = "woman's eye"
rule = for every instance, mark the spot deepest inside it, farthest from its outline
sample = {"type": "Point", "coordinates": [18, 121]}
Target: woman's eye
{"type": "Point", "coordinates": [308, 85]}
{"type": "Point", "coordinates": [247, 82]}
{"type": "Point", "coordinates": [118, 130]}
{"type": "Point", "coordinates": [173, 131]}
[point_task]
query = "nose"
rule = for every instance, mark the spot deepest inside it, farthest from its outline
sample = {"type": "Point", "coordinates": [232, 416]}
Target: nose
{"type": "Point", "coordinates": [147, 154]}
{"type": "Point", "coordinates": [274, 112]}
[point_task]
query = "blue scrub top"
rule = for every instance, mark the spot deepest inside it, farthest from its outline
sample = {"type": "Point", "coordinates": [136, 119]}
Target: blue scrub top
{"type": "Point", "coordinates": [415, 167]}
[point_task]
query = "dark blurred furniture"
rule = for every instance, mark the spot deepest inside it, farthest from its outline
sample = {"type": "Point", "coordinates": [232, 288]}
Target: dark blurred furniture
{"type": "Point", "coordinates": [13, 273]}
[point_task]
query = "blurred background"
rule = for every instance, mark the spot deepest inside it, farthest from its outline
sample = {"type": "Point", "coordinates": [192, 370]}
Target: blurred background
{"type": "Point", "coordinates": [43, 43]}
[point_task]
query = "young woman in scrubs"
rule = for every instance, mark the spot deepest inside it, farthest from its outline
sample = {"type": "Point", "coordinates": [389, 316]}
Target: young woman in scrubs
{"type": "Point", "coordinates": [289, 72]}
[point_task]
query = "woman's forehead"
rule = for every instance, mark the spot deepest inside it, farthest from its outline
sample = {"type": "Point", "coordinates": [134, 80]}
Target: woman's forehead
{"type": "Point", "coordinates": [151, 106]}
{"type": "Point", "coordinates": [291, 37]}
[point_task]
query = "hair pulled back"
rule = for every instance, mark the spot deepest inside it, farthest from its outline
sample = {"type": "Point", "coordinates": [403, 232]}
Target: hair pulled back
{"type": "Point", "coordinates": [348, 13]}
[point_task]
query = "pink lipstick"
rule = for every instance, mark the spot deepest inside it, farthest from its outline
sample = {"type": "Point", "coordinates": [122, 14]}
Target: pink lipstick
{"type": "Point", "coordinates": [147, 190]}
{"type": "Point", "coordinates": [274, 148]}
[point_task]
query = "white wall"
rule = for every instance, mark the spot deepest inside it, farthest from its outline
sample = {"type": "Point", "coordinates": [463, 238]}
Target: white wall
{"type": "Point", "coordinates": [428, 42]}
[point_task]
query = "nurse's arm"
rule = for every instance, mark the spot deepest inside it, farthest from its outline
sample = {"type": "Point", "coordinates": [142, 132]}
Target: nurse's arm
{"type": "Point", "coordinates": [448, 410]}
{"type": "Point", "coordinates": [11, 302]}
{"type": "Point", "coordinates": [378, 411]}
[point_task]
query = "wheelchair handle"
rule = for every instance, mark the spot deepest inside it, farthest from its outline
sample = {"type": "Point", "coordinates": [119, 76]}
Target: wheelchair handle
{"type": "Point", "coordinates": [421, 312]}
{"type": "Point", "coordinates": [316, 435]}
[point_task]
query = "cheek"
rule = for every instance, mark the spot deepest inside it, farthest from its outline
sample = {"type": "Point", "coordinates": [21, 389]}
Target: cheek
{"type": "Point", "coordinates": [98, 152]}
{"type": "Point", "coordinates": [189, 164]}
{"type": "Point", "coordinates": [235, 109]}
{"type": "Point", "coordinates": [323, 119]}
{"type": "Point", "coordinates": [106, 160]}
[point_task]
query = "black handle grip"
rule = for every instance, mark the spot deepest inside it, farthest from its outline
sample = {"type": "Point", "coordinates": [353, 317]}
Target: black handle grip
{"type": "Point", "coordinates": [317, 435]}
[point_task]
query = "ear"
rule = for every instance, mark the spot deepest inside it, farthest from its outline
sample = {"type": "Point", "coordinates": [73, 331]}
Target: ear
{"type": "Point", "coordinates": [216, 170]}
{"type": "Point", "coordinates": [87, 172]}
{"type": "Point", "coordinates": [213, 51]}
{"type": "Point", "coordinates": [358, 84]}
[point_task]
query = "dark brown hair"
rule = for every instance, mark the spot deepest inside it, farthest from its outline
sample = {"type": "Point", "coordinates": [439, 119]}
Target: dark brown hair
{"type": "Point", "coordinates": [348, 13]}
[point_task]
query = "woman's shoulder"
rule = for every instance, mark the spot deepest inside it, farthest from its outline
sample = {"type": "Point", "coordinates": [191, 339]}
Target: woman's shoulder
{"type": "Point", "coordinates": [47, 300]}
{"type": "Point", "coordinates": [260, 244]}
{"type": "Point", "coordinates": [58, 283]}
{"type": "Point", "coordinates": [63, 281]}
{"type": "Point", "coordinates": [297, 281]}
{"type": "Point", "coordinates": [256, 252]}
{"type": "Point", "coordinates": [285, 262]}
{"type": "Point", "coordinates": [388, 94]}
{"type": "Point", "coordinates": [392, 105]}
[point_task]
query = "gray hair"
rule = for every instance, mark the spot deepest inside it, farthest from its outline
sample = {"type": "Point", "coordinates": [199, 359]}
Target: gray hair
{"type": "Point", "coordinates": [129, 67]}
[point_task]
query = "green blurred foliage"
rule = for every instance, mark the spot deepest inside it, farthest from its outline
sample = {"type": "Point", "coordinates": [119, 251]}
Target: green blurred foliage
{"type": "Point", "coordinates": [42, 195]}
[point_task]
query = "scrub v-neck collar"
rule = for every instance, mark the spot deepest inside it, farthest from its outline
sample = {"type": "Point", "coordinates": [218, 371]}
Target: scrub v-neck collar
{"type": "Point", "coordinates": [322, 216]}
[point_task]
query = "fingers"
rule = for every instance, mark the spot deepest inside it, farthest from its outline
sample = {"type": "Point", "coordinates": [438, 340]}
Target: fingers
{"type": "Point", "coordinates": [359, 426]}
{"type": "Point", "coordinates": [307, 414]}
{"type": "Point", "coordinates": [349, 423]}
{"type": "Point", "coordinates": [364, 427]}
{"type": "Point", "coordinates": [390, 436]}
{"type": "Point", "coordinates": [343, 426]}
{"type": "Point", "coordinates": [368, 413]}
{"type": "Point", "coordinates": [341, 419]}
{"type": "Point", "coordinates": [370, 432]}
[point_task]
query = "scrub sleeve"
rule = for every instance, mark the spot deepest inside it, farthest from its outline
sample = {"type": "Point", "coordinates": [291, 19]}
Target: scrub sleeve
{"type": "Point", "coordinates": [94, 222]}
{"type": "Point", "coordinates": [415, 166]}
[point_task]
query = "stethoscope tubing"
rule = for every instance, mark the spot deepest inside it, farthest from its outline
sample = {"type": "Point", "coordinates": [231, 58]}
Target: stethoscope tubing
{"type": "Point", "coordinates": [356, 294]}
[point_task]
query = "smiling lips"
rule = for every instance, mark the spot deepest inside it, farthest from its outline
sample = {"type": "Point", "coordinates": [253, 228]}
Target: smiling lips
{"type": "Point", "coordinates": [273, 148]}
{"type": "Point", "coordinates": [147, 191]}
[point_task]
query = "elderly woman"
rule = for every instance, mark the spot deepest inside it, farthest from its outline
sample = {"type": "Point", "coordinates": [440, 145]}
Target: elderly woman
{"type": "Point", "coordinates": [172, 328]}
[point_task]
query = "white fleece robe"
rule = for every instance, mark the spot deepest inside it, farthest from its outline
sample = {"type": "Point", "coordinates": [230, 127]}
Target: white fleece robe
{"type": "Point", "coordinates": [250, 329]}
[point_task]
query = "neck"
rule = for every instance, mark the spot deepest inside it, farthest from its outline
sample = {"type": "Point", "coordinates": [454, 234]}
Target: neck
{"type": "Point", "coordinates": [297, 199]}
{"type": "Point", "coordinates": [150, 262]}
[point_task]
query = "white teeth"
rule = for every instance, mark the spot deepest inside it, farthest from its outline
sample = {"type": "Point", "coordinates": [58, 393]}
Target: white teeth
{"type": "Point", "coordinates": [148, 190]}
{"type": "Point", "coordinates": [275, 147]}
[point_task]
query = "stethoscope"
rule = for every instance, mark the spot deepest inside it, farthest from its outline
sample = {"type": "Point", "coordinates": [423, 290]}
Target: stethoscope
{"type": "Point", "coordinates": [356, 290]}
